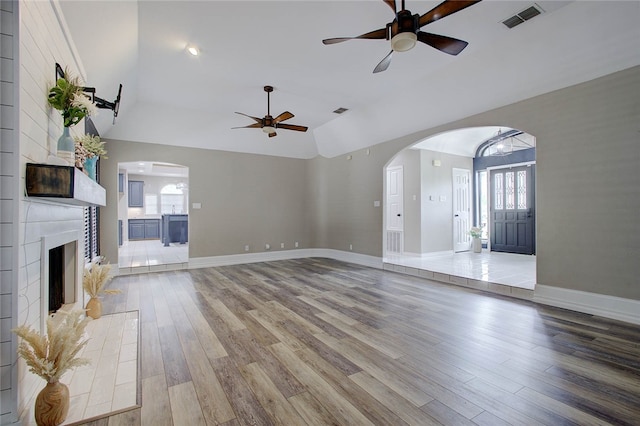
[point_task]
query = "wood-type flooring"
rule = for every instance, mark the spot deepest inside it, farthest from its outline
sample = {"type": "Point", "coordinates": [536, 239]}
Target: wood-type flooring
{"type": "Point", "coordinates": [321, 342]}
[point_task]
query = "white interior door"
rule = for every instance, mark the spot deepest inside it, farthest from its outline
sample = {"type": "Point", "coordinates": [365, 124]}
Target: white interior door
{"type": "Point", "coordinates": [394, 202]}
{"type": "Point", "coordinates": [461, 209]}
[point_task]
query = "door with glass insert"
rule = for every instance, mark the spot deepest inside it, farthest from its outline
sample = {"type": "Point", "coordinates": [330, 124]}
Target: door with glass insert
{"type": "Point", "coordinates": [513, 210]}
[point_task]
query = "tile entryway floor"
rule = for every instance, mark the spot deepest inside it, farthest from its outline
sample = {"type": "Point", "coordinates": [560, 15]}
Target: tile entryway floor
{"type": "Point", "coordinates": [514, 270]}
{"type": "Point", "coordinates": [152, 256]}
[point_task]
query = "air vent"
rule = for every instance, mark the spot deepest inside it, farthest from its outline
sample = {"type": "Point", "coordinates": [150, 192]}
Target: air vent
{"type": "Point", "coordinates": [340, 110]}
{"type": "Point", "coordinates": [530, 12]}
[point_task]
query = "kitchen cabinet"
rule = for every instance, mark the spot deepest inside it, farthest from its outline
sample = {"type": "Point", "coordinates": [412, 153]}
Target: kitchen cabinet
{"type": "Point", "coordinates": [175, 228]}
{"type": "Point", "coordinates": [144, 229]}
{"type": "Point", "coordinates": [136, 193]}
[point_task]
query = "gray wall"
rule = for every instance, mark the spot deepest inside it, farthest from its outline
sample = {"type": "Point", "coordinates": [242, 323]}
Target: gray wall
{"type": "Point", "coordinates": [437, 198]}
{"type": "Point", "coordinates": [246, 199]}
{"type": "Point", "coordinates": [588, 199]}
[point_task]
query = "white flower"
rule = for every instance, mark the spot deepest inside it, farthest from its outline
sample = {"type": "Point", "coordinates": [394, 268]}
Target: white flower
{"type": "Point", "coordinates": [83, 102]}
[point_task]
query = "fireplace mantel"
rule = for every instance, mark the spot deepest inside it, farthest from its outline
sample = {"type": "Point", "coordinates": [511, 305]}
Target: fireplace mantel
{"type": "Point", "coordinates": [63, 184]}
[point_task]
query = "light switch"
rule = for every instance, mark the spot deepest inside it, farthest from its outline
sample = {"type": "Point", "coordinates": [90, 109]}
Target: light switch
{"type": "Point", "coordinates": [197, 206]}
{"type": "Point", "coordinates": [443, 198]}
{"type": "Point", "coordinates": [376, 203]}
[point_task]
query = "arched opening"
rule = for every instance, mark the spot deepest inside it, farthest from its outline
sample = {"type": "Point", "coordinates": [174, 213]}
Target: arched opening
{"type": "Point", "coordinates": [153, 212]}
{"type": "Point", "coordinates": [440, 188]}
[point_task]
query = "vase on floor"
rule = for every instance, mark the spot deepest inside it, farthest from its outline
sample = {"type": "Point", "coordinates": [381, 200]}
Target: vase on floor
{"type": "Point", "coordinates": [94, 308]}
{"type": "Point", "coordinates": [52, 404]}
{"type": "Point", "coordinates": [476, 245]}
{"type": "Point", "coordinates": [67, 148]}
{"type": "Point", "coordinates": [89, 166]}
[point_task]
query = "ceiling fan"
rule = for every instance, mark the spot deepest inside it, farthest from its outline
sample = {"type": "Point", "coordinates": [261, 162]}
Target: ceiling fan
{"type": "Point", "coordinates": [268, 124]}
{"type": "Point", "coordinates": [404, 31]}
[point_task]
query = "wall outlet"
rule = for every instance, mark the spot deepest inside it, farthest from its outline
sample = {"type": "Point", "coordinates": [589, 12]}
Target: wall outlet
{"type": "Point", "coordinates": [267, 247]}
{"type": "Point", "coordinates": [295, 244]}
{"type": "Point", "coordinates": [246, 248]}
{"type": "Point", "coordinates": [281, 245]}
{"type": "Point", "coordinates": [350, 246]}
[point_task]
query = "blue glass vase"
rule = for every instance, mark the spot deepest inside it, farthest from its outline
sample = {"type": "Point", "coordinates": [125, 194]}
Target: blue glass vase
{"type": "Point", "coordinates": [67, 148]}
{"type": "Point", "coordinates": [90, 166]}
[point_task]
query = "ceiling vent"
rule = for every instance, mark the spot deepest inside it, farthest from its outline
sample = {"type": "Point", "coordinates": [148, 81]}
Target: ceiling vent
{"type": "Point", "coordinates": [340, 110]}
{"type": "Point", "coordinates": [530, 12]}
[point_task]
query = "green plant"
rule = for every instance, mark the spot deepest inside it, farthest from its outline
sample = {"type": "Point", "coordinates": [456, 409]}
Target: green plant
{"type": "Point", "coordinates": [91, 145]}
{"type": "Point", "coordinates": [51, 355]}
{"type": "Point", "coordinates": [67, 96]}
{"type": "Point", "coordinates": [475, 232]}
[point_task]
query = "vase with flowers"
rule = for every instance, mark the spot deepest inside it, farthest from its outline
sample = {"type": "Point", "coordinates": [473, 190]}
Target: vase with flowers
{"type": "Point", "coordinates": [476, 242]}
{"type": "Point", "coordinates": [89, 148]}
{"type": "Point", "coordinates": [67, 96]}
{"type": "Point", "coordinates": [94, 280]}
{"type": "Point", "coordinates": [50, 356]}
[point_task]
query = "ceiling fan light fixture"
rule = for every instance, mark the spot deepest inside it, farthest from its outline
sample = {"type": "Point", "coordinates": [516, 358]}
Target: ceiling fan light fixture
{"type": "Point", "coordinates": [402, 42]}
{"type": "Point", "coordinates": [269, 129]}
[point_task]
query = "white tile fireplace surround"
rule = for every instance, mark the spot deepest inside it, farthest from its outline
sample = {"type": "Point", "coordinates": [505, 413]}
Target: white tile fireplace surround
{"type": "Point", "coordinates": [45, 225]}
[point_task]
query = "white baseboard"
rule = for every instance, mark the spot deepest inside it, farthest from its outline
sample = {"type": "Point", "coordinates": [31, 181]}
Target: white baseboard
{"type": "Point", "coordinates": [238, 259]}
{"type": "Point", "coordinates": [618, 308]}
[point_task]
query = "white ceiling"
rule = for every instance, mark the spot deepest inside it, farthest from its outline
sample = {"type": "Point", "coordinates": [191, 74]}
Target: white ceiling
{"type": "Point", "coordinates": [170, 97]}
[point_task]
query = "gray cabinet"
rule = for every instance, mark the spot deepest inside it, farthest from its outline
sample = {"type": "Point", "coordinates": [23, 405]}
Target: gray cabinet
{"type": "Point", "coordinates": [136, 193]}
{"type": "Point", "coordinates": [144, 229]}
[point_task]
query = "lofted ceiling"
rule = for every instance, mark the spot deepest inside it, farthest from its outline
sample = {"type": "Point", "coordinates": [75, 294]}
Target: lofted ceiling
{"type": "Point", "coordinates": [173, 98]}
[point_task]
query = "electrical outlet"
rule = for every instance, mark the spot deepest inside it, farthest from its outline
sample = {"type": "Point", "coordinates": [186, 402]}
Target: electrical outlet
{"type": "Point", "coordinates": [281, 245]}
{"type": "Point", "coordinates": [350, 246]}
{"type": "Point", "coordinates": [267, 247]}
{"type": "Point", "coordinates": [295, 244]}
{"type": "Point", "coordinates": [246, 248]}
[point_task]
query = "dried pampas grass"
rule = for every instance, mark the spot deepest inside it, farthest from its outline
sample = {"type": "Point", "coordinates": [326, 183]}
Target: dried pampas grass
{"type": "Point", "coordinates": [94, 280]}
{"type": "Point", "coordinates": [50, 356]}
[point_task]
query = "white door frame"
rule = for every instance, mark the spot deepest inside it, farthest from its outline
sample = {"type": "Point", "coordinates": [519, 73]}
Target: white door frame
{"type": "Point", "coordinates": [461, 210]}
{"type": "Point", "coordinates": [394, 211]}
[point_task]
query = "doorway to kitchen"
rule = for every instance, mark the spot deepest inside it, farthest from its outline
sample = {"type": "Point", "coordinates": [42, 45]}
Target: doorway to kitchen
{"type": "Point", "coordinates": [153, 216]}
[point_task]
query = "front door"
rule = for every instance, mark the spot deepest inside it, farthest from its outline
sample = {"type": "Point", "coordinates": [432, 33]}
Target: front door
{"type": "Point", "coordinates": [513, 210]}
{"type": "Point", "coordinates": [461, 209]}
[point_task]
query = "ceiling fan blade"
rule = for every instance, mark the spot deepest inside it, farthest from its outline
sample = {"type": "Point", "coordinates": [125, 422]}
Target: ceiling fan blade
{"type": "Point", "coordinates": [374, 35]}
{"type": "Point", "coordinates": [449, 45]}
{"type": "Point", "coordinates": [251, 126]}
{"type": "Point", "coordinates": [282, 117]}
{"type": "Point", "coordinates": [258, 120]}
{"type": "Point", "coordinates": [445, 8]}
{"type": "Point", "coordinates": [293, 127]}
{"type": "Point", "coordinates": [272, 134]}
{"type": "Point", "coordinates": [384, 63]}
{"type": "Point", "coordinates": [392, 4]}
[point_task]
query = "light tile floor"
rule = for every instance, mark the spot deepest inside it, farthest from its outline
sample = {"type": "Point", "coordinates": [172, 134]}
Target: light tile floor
{"type": "Point", "coordinates": [514, 270]}
{"type": "Point", "coordinates": [110, 382]}
{"type": "Point", "coordinates": [151, 255]}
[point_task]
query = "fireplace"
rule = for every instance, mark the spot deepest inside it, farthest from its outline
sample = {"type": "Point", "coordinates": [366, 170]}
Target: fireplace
{"type": "Point", "coordinates": [61, 272]}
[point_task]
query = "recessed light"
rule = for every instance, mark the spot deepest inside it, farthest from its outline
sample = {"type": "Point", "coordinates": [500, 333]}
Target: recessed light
{"type": "Point", "coordinates": [193, 50]}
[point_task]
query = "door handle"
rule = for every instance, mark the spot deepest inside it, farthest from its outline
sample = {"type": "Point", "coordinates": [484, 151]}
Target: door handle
{"type": "Point", "coordinates": [399, 215]}
{"type": "Point", "coordinates": [456, 215]}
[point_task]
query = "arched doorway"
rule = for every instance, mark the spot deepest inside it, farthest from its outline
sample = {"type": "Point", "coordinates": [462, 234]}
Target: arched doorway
{"type": "Point", "coordinates": [153, 206]}
{"type": "Point", "coordinates": [447, 190]}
